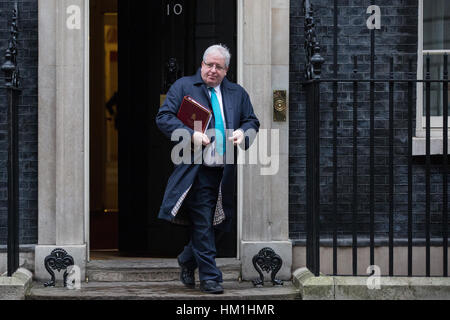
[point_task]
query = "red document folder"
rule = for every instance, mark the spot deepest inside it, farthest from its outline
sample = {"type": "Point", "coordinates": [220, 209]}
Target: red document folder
{"type": "Point", "coordinates": [191, 111]}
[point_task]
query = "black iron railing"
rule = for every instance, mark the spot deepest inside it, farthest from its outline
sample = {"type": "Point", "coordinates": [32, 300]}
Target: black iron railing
{"type": "Point", "coordinates": [12, 84]}
{"type": "Point", "coordinates": [312, 85]}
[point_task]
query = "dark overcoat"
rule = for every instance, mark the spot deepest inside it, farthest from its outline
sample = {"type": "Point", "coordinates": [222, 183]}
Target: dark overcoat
{"type": "Point", "coordinates": [239, 114]}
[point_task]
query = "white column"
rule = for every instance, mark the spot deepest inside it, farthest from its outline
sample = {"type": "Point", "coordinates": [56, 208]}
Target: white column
{"type": "Point", "coordinates": [264, 203]}
{"type": "Point", "coordinates": [62, 90]}
{"type": "Point", "coordinates": [47, 123]}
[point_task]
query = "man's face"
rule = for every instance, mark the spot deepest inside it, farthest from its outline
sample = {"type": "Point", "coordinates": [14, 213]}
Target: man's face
{"type": "Point", "coordinates": [214, 70]}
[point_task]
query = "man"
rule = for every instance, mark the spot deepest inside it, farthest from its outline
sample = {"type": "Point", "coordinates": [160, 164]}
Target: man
{"type": "Point", "coordinates": [205, 192]}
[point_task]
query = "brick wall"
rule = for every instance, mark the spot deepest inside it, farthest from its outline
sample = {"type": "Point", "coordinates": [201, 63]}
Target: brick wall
{"type": "Point", "coordinates": [397, 38]}
{"type": "Point", "coordinates": [28, 119]}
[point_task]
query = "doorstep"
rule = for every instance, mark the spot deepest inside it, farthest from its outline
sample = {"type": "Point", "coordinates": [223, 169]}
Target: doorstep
{"type": "Point", "coordinates": [150, 270]}
{"type": "Point", "coordinates": [170, 290]}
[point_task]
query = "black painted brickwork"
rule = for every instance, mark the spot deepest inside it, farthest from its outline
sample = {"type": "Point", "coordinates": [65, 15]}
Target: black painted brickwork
{"type": "Point", "coordinates": [398, 38]}
{"type": "Point", "coordinates": [28, 119]}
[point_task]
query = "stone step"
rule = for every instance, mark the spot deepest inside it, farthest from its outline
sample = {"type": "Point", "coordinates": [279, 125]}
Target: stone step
{"type": "Point", "coordinates": [151, 270]}
{"type": "Point", "coordinates": [171, 290]}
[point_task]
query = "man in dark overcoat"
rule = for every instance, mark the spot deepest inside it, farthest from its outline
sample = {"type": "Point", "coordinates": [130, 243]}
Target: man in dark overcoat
{"type": "Point", "coordinates": [205, 192]}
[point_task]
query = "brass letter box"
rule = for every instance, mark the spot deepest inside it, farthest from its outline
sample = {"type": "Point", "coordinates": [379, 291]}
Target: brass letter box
{"type": "Point", "coordinates": [279, 105]}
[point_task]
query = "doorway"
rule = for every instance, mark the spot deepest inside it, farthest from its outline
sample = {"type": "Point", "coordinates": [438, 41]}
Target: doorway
{"type": "Point", "coordinates": [138, 49]}
{"type": "Point", "coordinates": [104, 213]}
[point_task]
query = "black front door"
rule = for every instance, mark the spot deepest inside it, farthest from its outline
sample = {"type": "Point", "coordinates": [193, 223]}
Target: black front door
{"type": "Point", "coordinates": [159, 42]}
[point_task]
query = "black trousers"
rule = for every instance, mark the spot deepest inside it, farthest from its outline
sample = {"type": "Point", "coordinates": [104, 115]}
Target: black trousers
{"type": "Point", "coordinates": [201, 204]}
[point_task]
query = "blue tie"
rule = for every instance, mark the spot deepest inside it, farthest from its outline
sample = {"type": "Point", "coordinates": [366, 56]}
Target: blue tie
{"type": "Point", "coordinates": [220, 128]}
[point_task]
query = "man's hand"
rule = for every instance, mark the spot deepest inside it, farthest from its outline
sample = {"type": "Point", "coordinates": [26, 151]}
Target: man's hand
{"type": "Point", "coordinates": [238, 137]}
{"type": "Point", "coordinates": [200, 139]}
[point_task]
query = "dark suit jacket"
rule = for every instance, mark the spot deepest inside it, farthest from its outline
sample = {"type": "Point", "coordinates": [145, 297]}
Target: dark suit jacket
{"type": "Point", "coordinates": [239, 114]}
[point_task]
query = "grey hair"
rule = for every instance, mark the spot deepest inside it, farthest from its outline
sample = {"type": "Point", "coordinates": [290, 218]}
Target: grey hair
{"type": "Point", "coordinates": [222, 50]}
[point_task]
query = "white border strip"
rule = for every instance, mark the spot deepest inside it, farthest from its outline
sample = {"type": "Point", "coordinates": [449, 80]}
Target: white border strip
{"type": "Point", "coordinates": [419, 105]}
{"type": "Point", "coordinates": [86, 128]}
{"type": "Point", "coordinates": [240, 168]}
{"type": "Point", "coordinates": [435, 52]}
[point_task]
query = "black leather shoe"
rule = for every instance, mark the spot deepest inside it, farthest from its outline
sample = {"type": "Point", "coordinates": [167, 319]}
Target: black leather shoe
{"type": "Point", "coordinates": [211, 286]}
{"type": "Point", "coordinates": [187, 275]}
